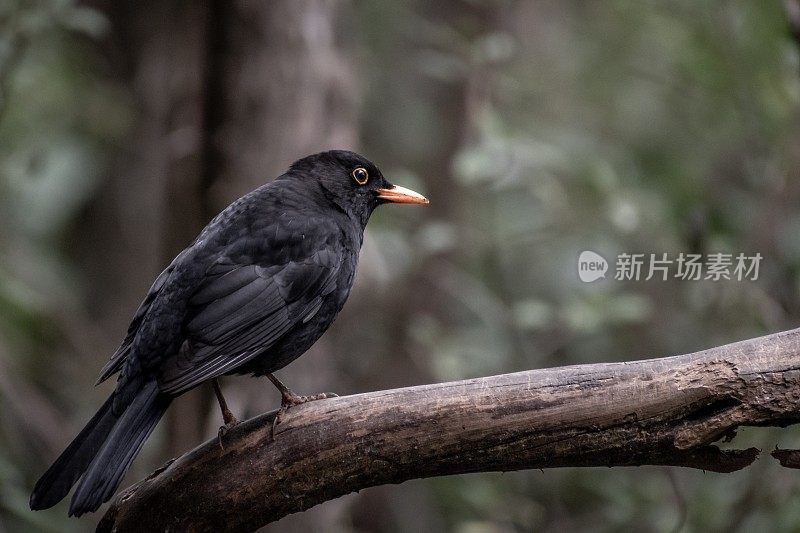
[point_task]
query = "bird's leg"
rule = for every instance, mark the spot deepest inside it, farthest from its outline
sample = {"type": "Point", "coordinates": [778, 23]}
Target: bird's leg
{"type": "Point", "coordinates": [289, 398]}
{"type": "Point", "coordinates": [227, 416]}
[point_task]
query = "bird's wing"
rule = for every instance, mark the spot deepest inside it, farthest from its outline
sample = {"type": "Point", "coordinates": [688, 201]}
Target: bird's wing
{"type": "Point", "coordinates": [240, 310]}
{"type": "Point", "coordinates": [115, 363]}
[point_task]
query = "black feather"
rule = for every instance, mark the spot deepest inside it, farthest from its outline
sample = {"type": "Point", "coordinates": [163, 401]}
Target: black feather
{"type": "Point", "coordinates": [71, 464]}
{"type": "Point", "coordinates": [260, 284]}
{"type": "Point", "coordinates": [123, 443]}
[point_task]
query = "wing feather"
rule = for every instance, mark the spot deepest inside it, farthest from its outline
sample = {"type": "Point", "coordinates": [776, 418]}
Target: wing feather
{"type": "Point", "coordinates": [118, 358]}
{"type": "Point", "coordinates": [240, 311]}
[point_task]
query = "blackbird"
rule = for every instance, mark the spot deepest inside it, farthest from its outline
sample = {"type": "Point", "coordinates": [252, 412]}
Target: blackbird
{"type": "Point", "coordinates": [259, 285]}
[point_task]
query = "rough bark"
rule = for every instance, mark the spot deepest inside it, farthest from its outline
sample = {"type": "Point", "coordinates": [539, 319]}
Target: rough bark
{"type": "Point", "coordinates": [655, 412]}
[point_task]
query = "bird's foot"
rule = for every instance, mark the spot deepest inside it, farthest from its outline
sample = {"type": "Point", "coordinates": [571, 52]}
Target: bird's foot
{"type": "Point", "coordinates": [290, 399]}
{"type": "Point", "coordinates": [230, 423]}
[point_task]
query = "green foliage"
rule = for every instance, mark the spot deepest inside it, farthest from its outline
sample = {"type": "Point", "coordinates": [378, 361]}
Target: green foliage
{"type": "Point", "coordinates": [58, 119]}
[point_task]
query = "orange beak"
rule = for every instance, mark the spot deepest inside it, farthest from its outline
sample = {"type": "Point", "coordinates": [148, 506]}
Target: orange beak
{"type": "Point", "coordinates": [401, 195]}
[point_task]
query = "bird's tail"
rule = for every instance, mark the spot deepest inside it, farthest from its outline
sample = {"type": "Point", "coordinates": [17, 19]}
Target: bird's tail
{"type": "Point", "coordinates": [101, 453]}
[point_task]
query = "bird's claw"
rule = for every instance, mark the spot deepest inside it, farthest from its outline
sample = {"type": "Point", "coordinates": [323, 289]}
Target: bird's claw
{"type": "Point", "coordinates": [224, 429]}
{"type": "Point", "coordinates": [290, 399]}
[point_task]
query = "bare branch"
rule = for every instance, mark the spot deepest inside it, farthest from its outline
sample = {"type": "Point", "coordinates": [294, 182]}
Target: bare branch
{"type": "Point", "coordinates": [655, 412]}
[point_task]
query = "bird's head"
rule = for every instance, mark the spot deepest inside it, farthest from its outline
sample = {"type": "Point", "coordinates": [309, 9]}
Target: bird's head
{"type": "Point", "coordinates": [353, 182]}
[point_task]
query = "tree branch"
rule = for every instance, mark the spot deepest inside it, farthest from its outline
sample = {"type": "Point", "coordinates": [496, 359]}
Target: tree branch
{"type": "Point", "coordinates": [655, 412]}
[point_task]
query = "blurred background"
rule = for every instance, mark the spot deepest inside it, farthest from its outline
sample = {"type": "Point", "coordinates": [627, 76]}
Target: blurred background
{"type": "Point", "coordinates": [537, 130]}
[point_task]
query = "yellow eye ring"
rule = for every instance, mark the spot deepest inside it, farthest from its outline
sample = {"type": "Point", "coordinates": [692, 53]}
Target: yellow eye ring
{"type": "Point", "coordinates": [361, 175]}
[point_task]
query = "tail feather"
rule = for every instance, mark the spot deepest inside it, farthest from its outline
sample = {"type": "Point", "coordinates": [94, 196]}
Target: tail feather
{"type": "Point", "coordinates": [105, 472]}
{"type": "Point", "coordinates": [59, 478]}
{"type": "Point", "coordinates": [101, 453]}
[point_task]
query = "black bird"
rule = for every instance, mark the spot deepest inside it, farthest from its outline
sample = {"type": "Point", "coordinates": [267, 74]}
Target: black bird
{"type": "Point", "coordinates": [259, 285]}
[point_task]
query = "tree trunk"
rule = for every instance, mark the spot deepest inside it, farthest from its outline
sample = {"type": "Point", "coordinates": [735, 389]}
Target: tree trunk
{"type": "Point", "coordinates": [227, 95]}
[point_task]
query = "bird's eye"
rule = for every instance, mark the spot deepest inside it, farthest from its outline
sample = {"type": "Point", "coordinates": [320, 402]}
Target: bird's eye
{"type": "Point", "coordinates": [360, 175]}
